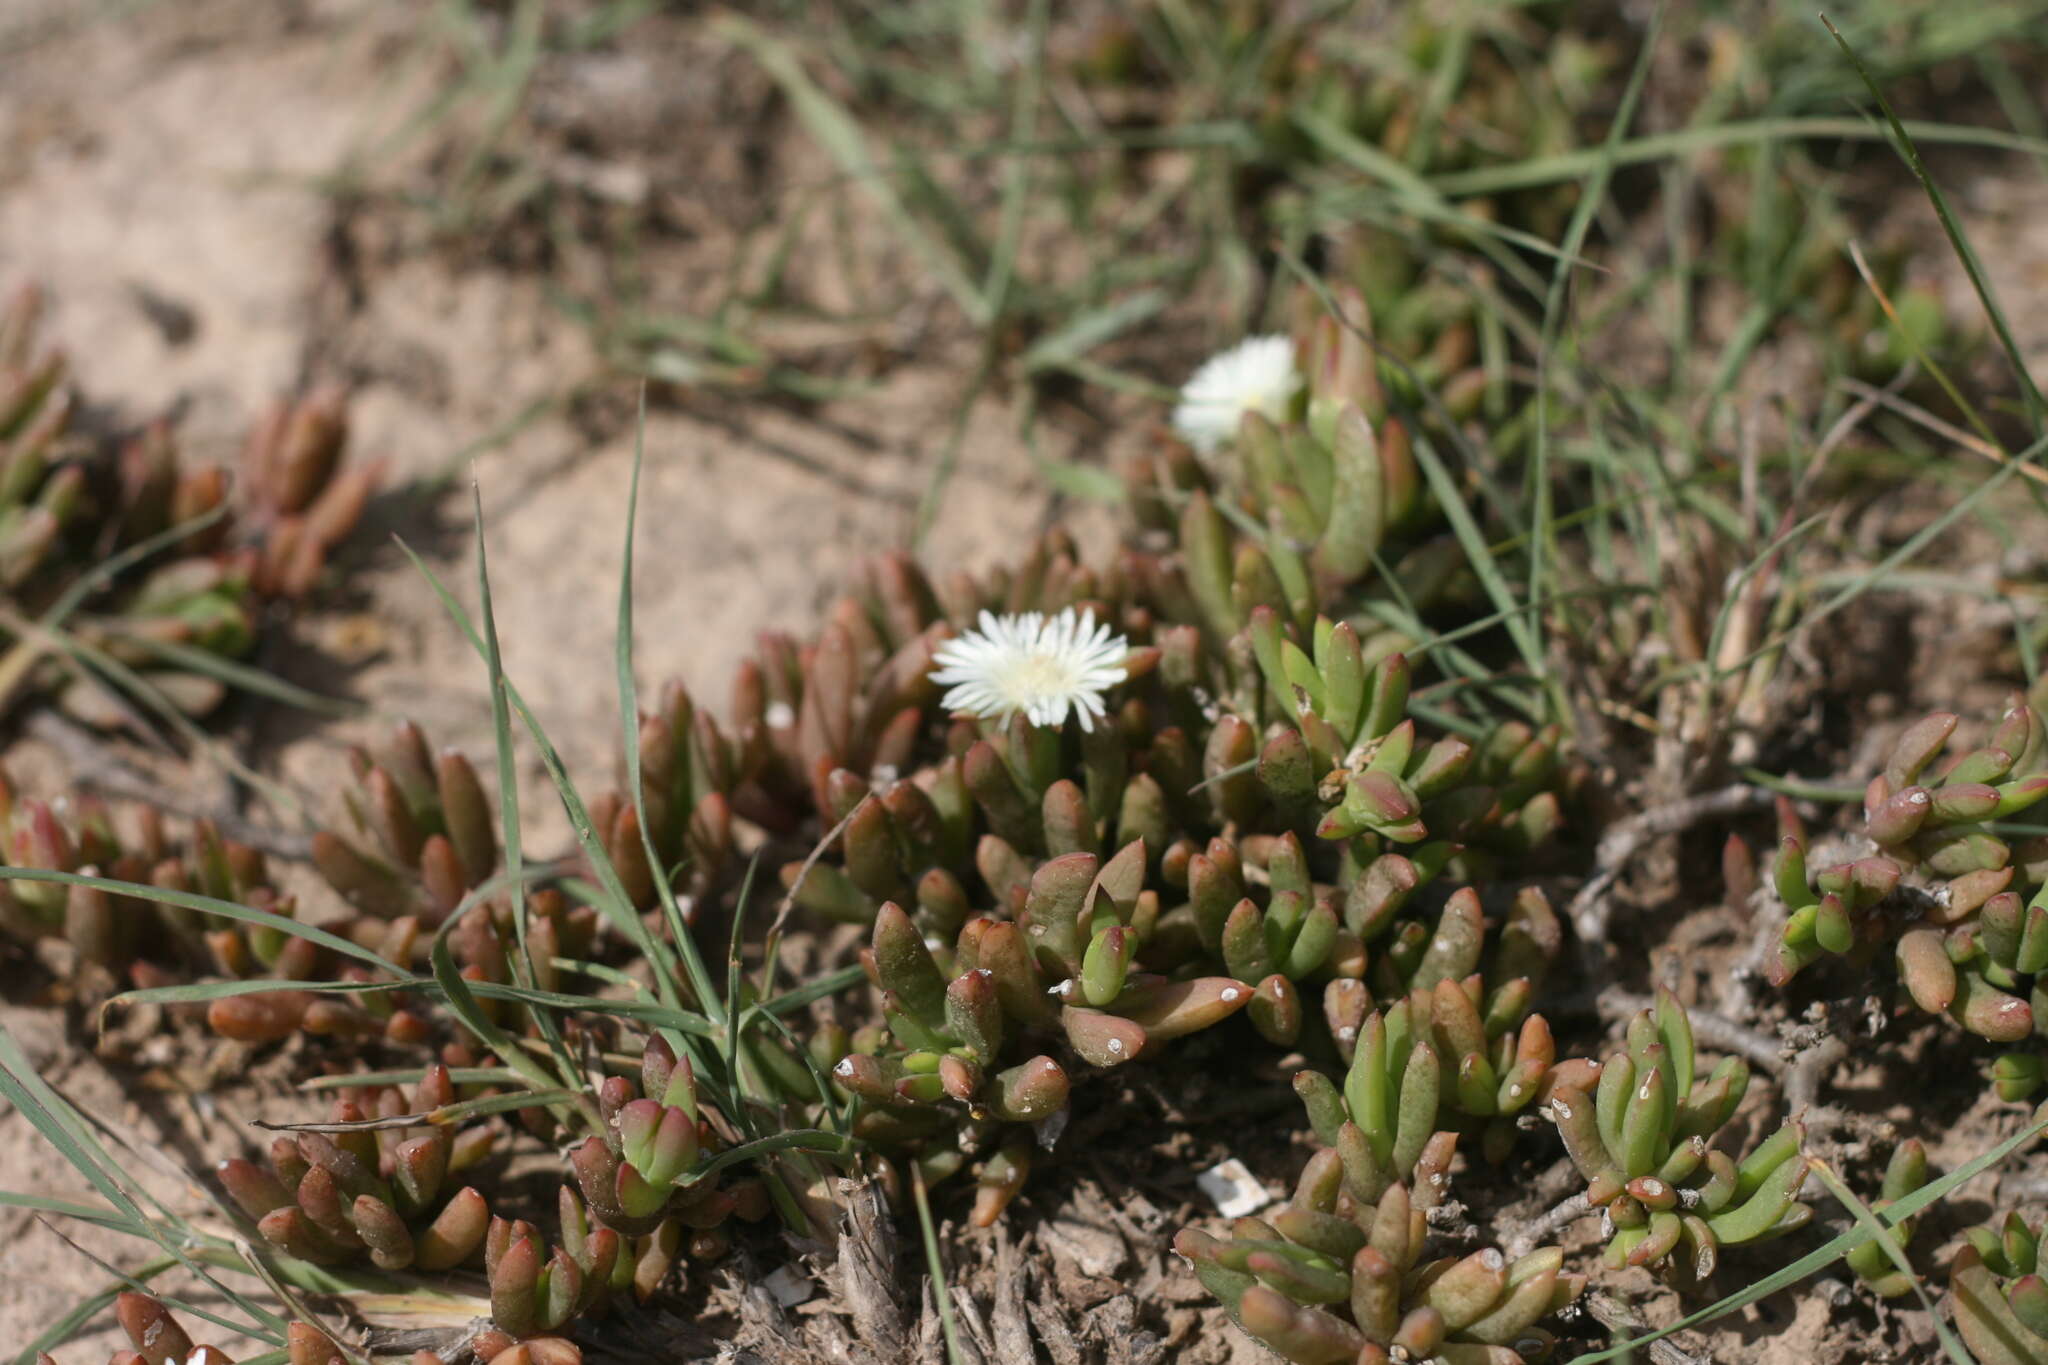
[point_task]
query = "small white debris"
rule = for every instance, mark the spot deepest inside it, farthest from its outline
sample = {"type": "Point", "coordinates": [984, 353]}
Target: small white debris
{"type": "Point", "coordinates": [1116, 1046]}
{"type": "Point", "coordinates": [845, 1067]}
{"type": "Point", "coordinates": [1347, 1034]}
{"type": "Point", "coordinates": [1062, 989]}
{"type": "Point", "coordinates": [1233, 1189]}
{"type": "Point", "coordinates": [781, 715]}
{"type": "Point", "coordinates": [788, 1286]}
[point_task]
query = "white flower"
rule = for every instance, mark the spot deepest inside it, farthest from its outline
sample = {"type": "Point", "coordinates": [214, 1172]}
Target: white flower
{"type": "Point", "coordinates": [1256, 375]}
{"type": "Point", "coordinates": [1030, 664]}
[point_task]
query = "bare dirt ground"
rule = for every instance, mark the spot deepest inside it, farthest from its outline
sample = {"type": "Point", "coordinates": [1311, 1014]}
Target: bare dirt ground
{"type": "Point", "coordinates": [161, 174]}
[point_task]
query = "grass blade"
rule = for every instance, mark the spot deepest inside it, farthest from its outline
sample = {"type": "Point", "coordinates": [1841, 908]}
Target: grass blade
{"type": "Point", "coordinates": [192, 900]}
{"type": "Point", "coordinates": [509, 822]}
{"type": "Point", "coordinates": [629, 724]}
{"type": "Point", "coordinates": [1868, 1220]}
{"type": "Point", "coordinates": [935, 1265]}
{"type": "Point", "coordinates": [1956, 236]}
{"type": "Point", "coordinates": [842, 139]}
{"type": "Point", "coordinates": [61, 1127]}
{"type": "Point", "coordinates": [612, 901]}
{"type": "Point", "coordinates": [1550, 170]}
{"type": "Point", "coordinates": [1542, 529]}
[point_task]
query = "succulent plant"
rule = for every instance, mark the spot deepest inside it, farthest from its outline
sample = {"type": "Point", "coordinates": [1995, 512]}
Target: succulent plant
{"type": "Point", "coordinates": [1254, 818]}
{"type": "Point", "coordinates": [1092, 952]}
{"type": "Point", "coordinates": [1402, 953]}
{"type": "Point", "coordinates": [486, 947]}
{"type": "Point", "coordinates": [2015, 1076]}
{"type": "Point", "coordinates": [70, 507]}
{"type": "Point", "coordinates": [382, 1193]}
{"type": "Point", "coordinates": [370, 1189]}
{"type": "Point", "coordinates": [1348, 772]}
{"type": "Point", "coordinates": [1063, 970]}
{"type": "Point", "coordinates": [1336, 1276]}
{"type": "Point", "coordinates": [422, 834]}
{"type": "Point", "coordinates": [1642, 1138]}
{"type": "Point", "coordinates": [152, 943]}
{"type": "Point", "coordinates": [296, 497]}
{"type": "Point", "coordinates": [1429, 1062]}
{"type": "Point", "coordinates": [1999, 1297]}
{"type": "Point", "coordinates": [76, 836]}
{"type": "Point", "coordinates": [1261, 815]}
{"type": "Point", "coordinates": [642, 1169]}
{"type": "Point", "coordinates": [854, 699]}
{"type": "Point", "coordinates": [810, 736]}
{"type": "Point", "coordinates": [688, 770]}
{"type": "Point", "coordinates": [1092, 960]}
{"type": "Point", "coordinates": [640, 1265]}
{"type": "Point", "coordinates": [1906, 1172]}
{"type": "Point", "coordinates": [1368, 772]}
{"type": "Point", "coordinates": [160, 1340]}
{"type": "Point", "coordinates": [536, 1291]}
{"type": "Point", "coordinates": [964, 802]}
{"type": "Point", "coordinates": [1944, 887]}
{"type": "Point", "coordinates": [1319, 492]}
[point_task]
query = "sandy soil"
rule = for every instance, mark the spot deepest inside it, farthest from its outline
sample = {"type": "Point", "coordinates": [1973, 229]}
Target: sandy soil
{"type": "Point", "coordinates": [188, 175]}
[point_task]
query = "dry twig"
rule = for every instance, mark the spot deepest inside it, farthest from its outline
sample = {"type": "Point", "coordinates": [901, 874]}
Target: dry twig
{"type": "Point", "coordinates": [1611, 1313]}
{"type": "Point", "coordinates": [1543, 1228]}
{"type": "Point", "coordinates": [1809, 1071]}
{"type": "Point", "coordinates": [1590, 908]}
